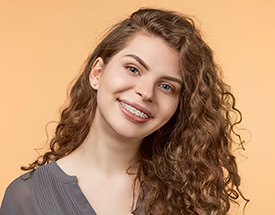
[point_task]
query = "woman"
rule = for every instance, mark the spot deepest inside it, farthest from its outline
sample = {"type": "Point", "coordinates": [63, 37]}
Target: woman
{"type": "Point", "coordinates": [147, 130]}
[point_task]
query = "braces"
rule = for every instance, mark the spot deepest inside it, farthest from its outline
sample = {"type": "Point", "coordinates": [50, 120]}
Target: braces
{"type": "Point", "coordinates": [134, 111]}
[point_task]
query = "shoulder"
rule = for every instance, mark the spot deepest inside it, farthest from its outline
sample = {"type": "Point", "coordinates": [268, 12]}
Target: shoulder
{"type": "Point", "coordinates": [38, 177]}
{"type": "Point", "coordinates": [18, 196]}
{"type": "Point", "coordinates": [20, 184]}
{"type": "Point", "coordinates": [35, 190]}
{"type": "Point", "coordinates": [21, 195]}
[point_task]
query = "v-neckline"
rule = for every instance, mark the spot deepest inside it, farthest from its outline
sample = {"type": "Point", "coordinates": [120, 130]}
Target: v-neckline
{"type": "Point", "coordinates": [82, 203]}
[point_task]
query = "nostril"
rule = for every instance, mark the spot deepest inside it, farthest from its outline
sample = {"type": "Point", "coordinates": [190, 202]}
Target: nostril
{"type": "Point", "coordinates": [145, 91]}
{"type": "Point", "coordinates": [139, 94]}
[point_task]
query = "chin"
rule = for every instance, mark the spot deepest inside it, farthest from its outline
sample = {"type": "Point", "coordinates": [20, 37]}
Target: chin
{"type": "Point", "coordinates": [131, 135]}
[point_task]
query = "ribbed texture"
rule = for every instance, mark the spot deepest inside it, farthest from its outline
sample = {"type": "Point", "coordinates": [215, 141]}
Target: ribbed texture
{"type": "Point", "coordinates": [55, 194]}
{"type": "Point", "coordinates": [58, 193]}
{"type": "Point", "coordinates": [45, 191]}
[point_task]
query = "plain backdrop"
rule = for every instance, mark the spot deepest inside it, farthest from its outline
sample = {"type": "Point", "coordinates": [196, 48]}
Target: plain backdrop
{"type": "Point", "coordinates": [43, 45]}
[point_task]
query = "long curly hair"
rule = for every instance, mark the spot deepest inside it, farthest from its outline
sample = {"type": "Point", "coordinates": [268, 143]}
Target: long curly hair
{"type": "Point", "coordinates": [187, 166]}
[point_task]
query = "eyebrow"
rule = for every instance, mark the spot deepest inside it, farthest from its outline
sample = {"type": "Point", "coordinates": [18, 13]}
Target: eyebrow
{"type": "Point", "coordinates": [170, 78]}
{"type": "Point", "coordinates": [139, 60]}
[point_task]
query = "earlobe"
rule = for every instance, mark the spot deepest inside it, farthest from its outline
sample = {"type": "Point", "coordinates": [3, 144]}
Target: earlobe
{"type": "Point", "coordinates": [96, 72]}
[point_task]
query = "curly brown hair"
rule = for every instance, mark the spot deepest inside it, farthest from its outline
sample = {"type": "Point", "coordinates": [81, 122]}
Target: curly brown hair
{"type": "Point", "coordinates": [187, 166]}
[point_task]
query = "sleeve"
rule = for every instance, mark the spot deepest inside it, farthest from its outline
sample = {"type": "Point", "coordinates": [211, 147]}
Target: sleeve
{"type": "Point", "coordinates": [19, 199]}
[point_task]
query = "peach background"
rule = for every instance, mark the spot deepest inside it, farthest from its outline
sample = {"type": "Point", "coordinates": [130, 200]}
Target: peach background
{"type": "Point", "coordinates": [43, 45]}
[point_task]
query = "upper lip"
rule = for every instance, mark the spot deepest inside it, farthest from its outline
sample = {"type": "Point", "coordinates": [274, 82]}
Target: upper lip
{"type": "Point", "coordinates": [138, 107]}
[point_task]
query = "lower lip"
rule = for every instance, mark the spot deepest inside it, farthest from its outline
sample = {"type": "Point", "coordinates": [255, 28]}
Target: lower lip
{"type": "Point", "coordinates": [132, 117]}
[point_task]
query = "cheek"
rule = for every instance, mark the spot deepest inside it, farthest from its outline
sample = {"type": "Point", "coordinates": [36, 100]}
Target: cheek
{"type": "Point", "coordinates": [115, 79]}
{"type": "Point", "coordinates": [169, 107]}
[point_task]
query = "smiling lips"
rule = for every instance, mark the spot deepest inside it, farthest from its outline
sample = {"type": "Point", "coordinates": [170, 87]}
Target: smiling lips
{"type": "Point", "coordinates": [133, 110]}
{"type": "Point", "coordinates": [134, 113]}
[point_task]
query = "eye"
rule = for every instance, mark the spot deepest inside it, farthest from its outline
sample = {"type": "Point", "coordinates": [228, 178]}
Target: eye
{"type": "Point", "coordinates": [133, 69]}
{"type": "Point", "coordinates": [167, 87]}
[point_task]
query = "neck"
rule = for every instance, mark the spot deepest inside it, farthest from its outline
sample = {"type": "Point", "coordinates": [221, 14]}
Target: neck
{"type": "Point", "coordinates": [109, 154]}
{"type": "Point", "coordinates": [105, 155]}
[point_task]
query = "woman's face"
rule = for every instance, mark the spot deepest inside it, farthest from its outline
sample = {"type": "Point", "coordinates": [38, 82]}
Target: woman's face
{"type": "Point", "coordinates": [138, 90]}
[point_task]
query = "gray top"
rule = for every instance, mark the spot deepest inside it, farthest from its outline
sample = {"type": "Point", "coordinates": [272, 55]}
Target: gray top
{"type": "Point", "coordinates": [47, 190]}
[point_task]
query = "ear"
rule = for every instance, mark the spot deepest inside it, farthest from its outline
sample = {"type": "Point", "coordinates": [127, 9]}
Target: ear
{"type": "Point", "coordinates": [96, 72]}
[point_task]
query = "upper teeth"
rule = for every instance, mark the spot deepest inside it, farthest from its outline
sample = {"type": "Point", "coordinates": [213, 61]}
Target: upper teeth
{"type": "Point", "coordinates": [134, 111]}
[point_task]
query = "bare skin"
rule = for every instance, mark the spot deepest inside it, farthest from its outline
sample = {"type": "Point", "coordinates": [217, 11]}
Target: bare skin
{"type": "Point", "coordinates": [101, 171]}
{"type": "Point", "coordinates": [145, 77]}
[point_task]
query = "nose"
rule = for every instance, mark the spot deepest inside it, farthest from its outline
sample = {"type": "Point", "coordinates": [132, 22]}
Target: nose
{"type": "Point", "coordinates": [145, 89]}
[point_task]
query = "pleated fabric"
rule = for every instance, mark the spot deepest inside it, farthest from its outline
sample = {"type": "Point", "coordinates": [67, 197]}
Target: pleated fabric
{"type": "Point", "coordinates": [46, 190]}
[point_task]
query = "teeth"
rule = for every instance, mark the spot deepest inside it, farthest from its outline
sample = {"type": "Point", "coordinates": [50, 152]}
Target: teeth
{"type": "Point", "coordinates": [134, 111]}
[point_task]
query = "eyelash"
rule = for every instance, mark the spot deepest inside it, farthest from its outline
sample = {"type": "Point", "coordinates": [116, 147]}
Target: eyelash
{"type": "Point", "coordinates": [135, 71]}
{"type": "Point", "coordinates": [131, 68]}
{"type": "Point", "coordinates": [164, 86]}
